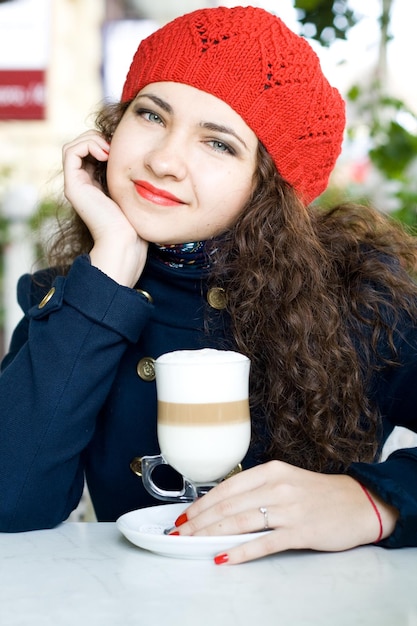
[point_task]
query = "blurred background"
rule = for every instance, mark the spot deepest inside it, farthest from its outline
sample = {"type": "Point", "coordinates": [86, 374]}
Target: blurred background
{"type": "Point", "coordinates": [60, 58]}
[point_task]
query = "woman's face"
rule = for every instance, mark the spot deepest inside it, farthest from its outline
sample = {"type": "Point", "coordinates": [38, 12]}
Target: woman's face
{"type": "Point", "coordinates": [181, 164]}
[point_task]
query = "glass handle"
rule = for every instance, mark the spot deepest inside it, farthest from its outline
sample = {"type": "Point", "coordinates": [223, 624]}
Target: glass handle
{"type": "Point", "coordinates": [188, 493]}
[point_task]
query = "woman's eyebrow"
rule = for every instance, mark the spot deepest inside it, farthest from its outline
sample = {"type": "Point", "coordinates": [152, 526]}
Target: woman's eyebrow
{"type": "Point", "coordinates": [219, 128]}
{"type": "Point", "coordinates": [216, 128]}
{"type": "Point", "coordinates": [158, 101]}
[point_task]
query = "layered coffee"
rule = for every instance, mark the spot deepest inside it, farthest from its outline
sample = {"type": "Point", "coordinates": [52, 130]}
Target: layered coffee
{"type": "Point", "coordinates": [207, 414]}
{"type": "Point", "coordinates": [203, 411]}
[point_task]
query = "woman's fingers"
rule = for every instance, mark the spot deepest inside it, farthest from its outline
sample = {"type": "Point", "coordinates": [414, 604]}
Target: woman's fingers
{"type": "Point", "coordinates": [90, 142]}
{"type": "Point", "coordinates": [79, 156]}
{"type": "Point", "coordinates": [101, 215]}
{"type": "Point", "coordinates": [270, 543]}
{"type": "Point", "coordinates": [238, 484]}
{"type": "Point", "coordinates": [243, 518]}
{"type": "Point", "coordinates": [233, 507]}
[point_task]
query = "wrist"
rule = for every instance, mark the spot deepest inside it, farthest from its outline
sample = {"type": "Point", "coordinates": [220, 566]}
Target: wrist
{"type": "Point", "coordinates": [124, 265]}
{"type": "Point", "coordinates": [386, 515]}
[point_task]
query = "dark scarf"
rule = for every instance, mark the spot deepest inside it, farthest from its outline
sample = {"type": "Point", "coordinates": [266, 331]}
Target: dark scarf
{"type": "Point", "coordinates": [181, 254]}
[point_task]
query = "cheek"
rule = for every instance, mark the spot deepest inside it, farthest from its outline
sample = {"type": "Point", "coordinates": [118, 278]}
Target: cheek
{"type": "Point", "coordinates": [235, 192]}
{"type": "Point", "coordinates": [118, 168]}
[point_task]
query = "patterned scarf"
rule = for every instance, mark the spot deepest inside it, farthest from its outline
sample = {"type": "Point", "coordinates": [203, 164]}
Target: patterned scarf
{"type": "Point", "coordinates": [183, 254]}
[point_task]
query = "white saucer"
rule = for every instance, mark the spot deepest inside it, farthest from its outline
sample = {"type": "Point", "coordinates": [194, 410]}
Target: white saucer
{"type": "Point", "coordinates": [145, 528]}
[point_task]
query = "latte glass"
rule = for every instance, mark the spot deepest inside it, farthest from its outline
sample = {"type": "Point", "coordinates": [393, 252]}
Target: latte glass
{"type": "Point", "coordinates": [204, 425]}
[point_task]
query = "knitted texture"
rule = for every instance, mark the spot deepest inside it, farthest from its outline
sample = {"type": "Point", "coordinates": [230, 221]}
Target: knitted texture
{"type": "Point", "coordinates": [270, 76]}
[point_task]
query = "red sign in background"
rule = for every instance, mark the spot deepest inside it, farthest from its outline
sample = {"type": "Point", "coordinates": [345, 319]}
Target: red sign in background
{"type": "Point", "coordinates": [22, 94]}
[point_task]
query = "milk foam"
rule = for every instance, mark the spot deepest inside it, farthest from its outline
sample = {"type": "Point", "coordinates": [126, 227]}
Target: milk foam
{"type": "Point", "coordinates": [204, 453]}
{"type": "Point", "coordinates": [202, 376]}
{"type": "Point", "coordinates": [205, 355]}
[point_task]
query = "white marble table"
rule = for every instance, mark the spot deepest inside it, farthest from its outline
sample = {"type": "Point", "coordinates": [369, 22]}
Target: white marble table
{"type": "Point", "coordinates": [87, 574]}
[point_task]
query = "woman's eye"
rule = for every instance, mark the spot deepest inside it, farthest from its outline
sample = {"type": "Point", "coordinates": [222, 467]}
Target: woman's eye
{"type": "Point", "coordinates": [150, 116]}
{"type": "Point", "coordinates": [220, 146]}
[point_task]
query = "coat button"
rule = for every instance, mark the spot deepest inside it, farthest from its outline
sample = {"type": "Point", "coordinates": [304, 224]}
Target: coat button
{"type": "Point", "coordinates": [146, 295]}
{"type": "Point", "coordinates": [146, 368]}
{"type": "Point", "coordinates": [46, 298]}
{"type": "Point", "coordinates": [136, 465]}
{"type": "Point", "coordinates": [216, 297]}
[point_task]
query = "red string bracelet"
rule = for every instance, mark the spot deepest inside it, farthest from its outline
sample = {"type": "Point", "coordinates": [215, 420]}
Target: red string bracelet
{"type": "Point", "coordinates": [378, 514]}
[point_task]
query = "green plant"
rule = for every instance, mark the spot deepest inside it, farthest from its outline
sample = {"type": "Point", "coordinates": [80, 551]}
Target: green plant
{"type": "Point", "coordinates": [390, 123]}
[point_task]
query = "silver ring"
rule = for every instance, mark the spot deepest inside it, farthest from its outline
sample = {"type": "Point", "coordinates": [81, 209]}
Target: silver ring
{"type": "Point", "coordinates": [264, 512]}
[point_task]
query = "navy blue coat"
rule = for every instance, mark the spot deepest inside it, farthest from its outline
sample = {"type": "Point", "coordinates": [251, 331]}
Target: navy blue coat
{"type": "Point", "coordinates": [73, 405]}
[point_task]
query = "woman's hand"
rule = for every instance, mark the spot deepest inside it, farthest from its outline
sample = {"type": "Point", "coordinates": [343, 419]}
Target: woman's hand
{"type": "Point", "coordinates": [305, 510]}
{"type": "Point", "coordinates": [118, 250]}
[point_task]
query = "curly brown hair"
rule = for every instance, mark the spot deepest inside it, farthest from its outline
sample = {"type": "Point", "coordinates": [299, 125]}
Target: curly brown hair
{"type": "Point", "coordinates": [312, 296]}
{"type": "Point", "coordinates": [306, 287]}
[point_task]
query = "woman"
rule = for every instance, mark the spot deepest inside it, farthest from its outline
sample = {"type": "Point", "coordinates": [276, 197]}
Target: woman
{"type": "Point", "coordinates": [193, 227]}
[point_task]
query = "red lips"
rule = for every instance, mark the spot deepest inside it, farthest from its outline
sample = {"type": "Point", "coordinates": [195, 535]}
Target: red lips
{"type": "Point", "coordinates": [155, 195]}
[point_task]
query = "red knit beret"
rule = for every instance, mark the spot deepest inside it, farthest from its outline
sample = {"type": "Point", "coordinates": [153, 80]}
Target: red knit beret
{"type": "Point", "coordinates": [270, 76]}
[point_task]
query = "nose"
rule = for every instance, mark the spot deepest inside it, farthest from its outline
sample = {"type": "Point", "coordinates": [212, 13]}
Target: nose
{"type": "Point", "coordinates": [166, 157]}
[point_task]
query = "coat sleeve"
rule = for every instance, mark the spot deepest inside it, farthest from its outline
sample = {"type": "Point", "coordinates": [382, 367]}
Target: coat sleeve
{"type": "Point", "coordinates": [395, 479]}
{"type": "Point", "coordinates": [62, 361]}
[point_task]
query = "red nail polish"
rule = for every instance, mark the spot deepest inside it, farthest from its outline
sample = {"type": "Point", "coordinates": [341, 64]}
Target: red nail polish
{"type": "Point", "coordinates": [106, 151]}
{"type": "Point", "coordinates": [221, 558]}
{"type": "Point", "coordinates": [174, 532]}
{"type": "Point", "coordinates": [182, 519]}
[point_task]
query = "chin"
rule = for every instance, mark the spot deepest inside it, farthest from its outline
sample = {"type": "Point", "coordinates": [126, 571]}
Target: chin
{"type": "Point", "coordinates": [166, 239]}
{"type": "Point", "coordinates": [172, 242]}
